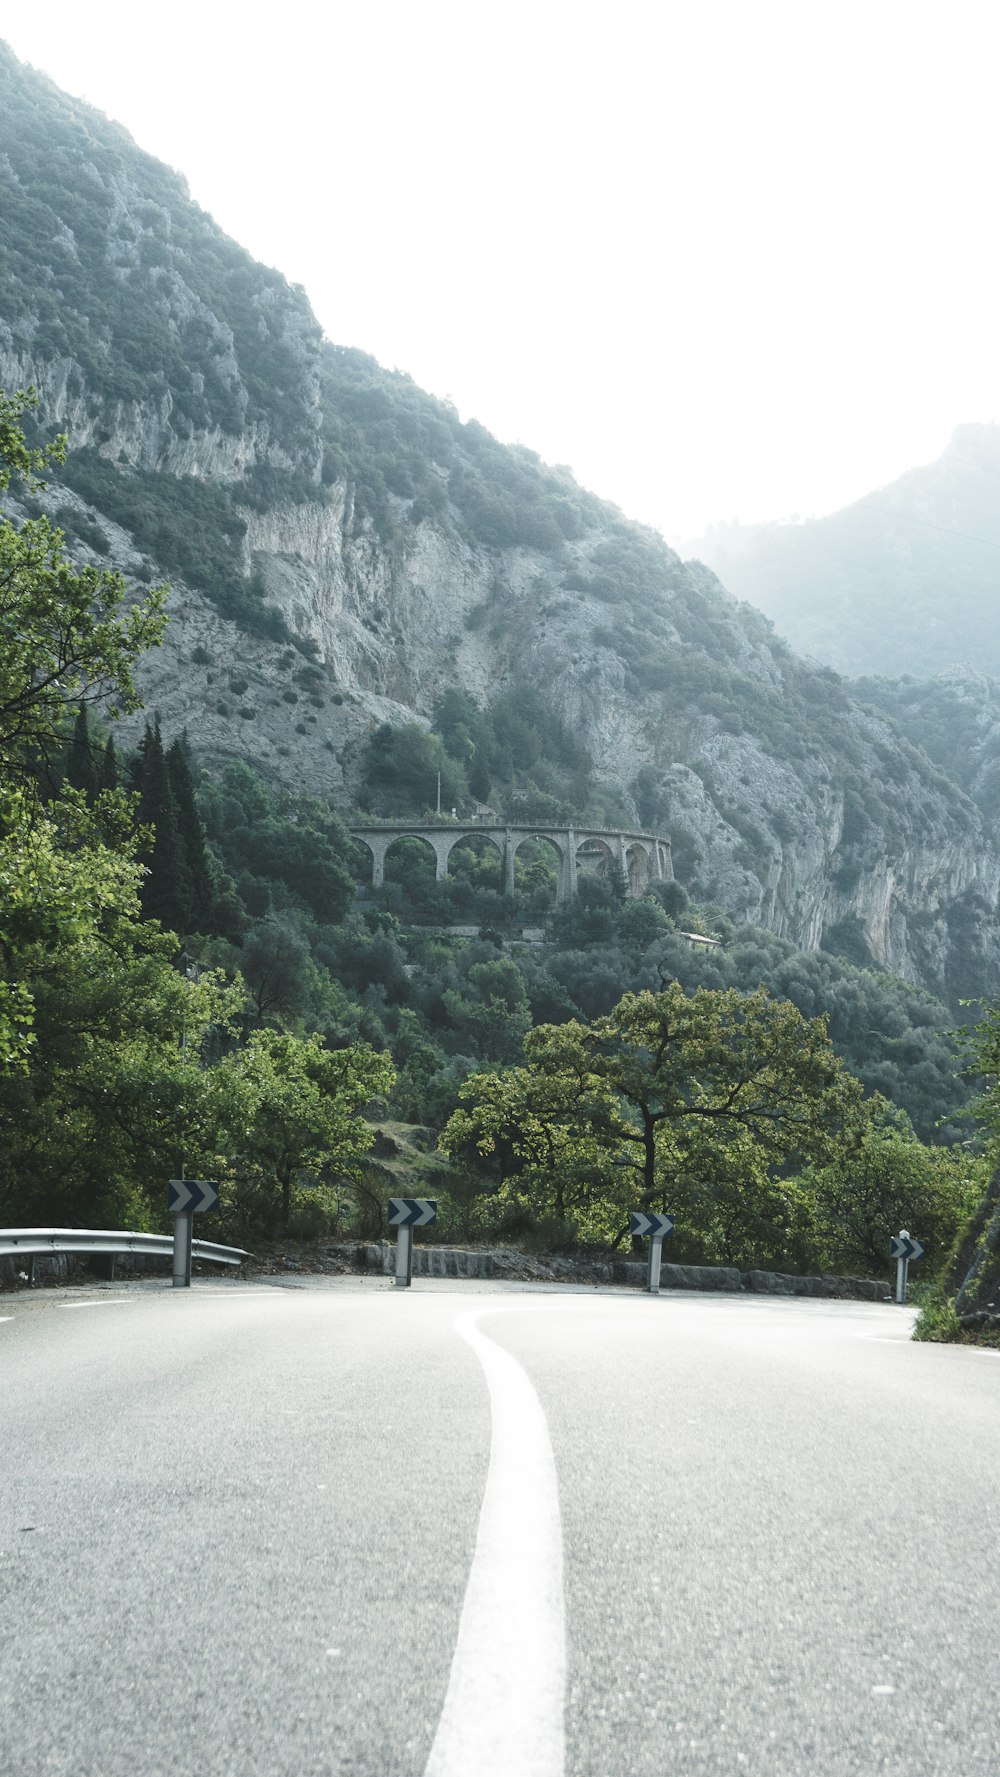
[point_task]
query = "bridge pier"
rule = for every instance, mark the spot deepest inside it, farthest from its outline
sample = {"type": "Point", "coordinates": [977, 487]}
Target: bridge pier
{"type": "Point", "coordinates": [378, 847]}
{"type": "Point", "coordinates": [566, 882]}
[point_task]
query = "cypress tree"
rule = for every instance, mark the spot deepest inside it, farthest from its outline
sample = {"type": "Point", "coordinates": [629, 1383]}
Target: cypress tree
{"type": "Point", "coordinates": [166, 893]}
{"type": "Point", "coordinates": [192, 836]}
{"type": "Point", "coordinates": [107, 771]}
{"type": "Point", "coordinates": [479, 775]}
{"type": "Point", "coordinates": [80, 770]}
{"type": "Point", "coordinates": [135, 764]}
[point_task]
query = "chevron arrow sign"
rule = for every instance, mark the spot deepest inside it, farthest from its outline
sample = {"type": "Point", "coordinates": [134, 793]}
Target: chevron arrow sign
{"type": "Point", "coordinates": [647, 1222]}
{"type": "Point", "coordinates": [412, 1212]}
{"type": "Point", "coordinates": [191, 1194]}
{"type": "Point", "coordinates": [903, 1246]}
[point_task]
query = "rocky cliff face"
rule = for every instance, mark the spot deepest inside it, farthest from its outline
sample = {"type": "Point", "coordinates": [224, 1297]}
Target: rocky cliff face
{"type": "Point", "coordinates": [408, 554]}
{"type": "Point", "coordinates": [131, 432]}
{"type": "Point", "coordinates": [784, 842]}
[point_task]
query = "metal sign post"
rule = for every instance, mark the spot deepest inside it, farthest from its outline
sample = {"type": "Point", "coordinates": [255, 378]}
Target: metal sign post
{"type": "Point", "coordinates": [185, 1197]}
{"type": "Point", "coordinates": [404, 1258]}
{"type": "Point", "coordinates": [405, 1214]}
{"type": "Point", "coordinates": [657, 1227]}
{"type": "Point", "coordinates": [903, 1248]}
{"type": "Point", "coordinates": [183, 1236]}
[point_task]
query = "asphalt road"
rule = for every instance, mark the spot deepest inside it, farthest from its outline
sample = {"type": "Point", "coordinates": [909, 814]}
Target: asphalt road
{"type": "Point", "coordinates": [490, 1531]}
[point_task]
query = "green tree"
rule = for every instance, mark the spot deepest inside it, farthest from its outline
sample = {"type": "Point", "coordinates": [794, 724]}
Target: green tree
{"type": "Point", "coordinates": [81, 771]}
{"type": "Point", "coordinates": [276, 966]}
{"type": "Point", "coordinates": [882, 1180]}
{"type": "Point", "coordinates": [293, 1114]}
{"type": "Point", "coordinates": [693, 1101]}
{"type": "Point", "coordinates": [744, 1067]}
{"type": "Point", "coordinates": [401, 771]}
{"type": "Point", "coordinates": [294, 846]}
{"type": "Point", "coordinates": [64, 640]}
{"type": "Point", "coordinates": [107, 771]}
{"type": "Point", "coordinates": [167, 892]}
{"type": "Point", "coordinates": [545, 1139]}
{"type": "Point", "coordinates": [111, 1059]}
{"type": "Point", "coordinates": [191, 835]}
{"type": "Point", "coordinates": [67, 635]}
{"type": "Point", "coordinates": [493, 1011]}
{"type": "Point", "coordinates": [94, 1096]}
{"type": "Point", "coordinates": [459, 722]}
{"type": "Point", "coordinates": [642, 923]}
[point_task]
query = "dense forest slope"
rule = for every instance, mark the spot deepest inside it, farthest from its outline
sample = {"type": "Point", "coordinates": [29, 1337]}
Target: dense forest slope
{"type": "Point", "coordinates": [903, 581]}
{"type": "Point", "coordinates": [344, 552]}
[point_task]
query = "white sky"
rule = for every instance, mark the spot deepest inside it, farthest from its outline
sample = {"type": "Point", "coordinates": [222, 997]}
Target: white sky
{"type": "Point", "coordinates": [722, 257]}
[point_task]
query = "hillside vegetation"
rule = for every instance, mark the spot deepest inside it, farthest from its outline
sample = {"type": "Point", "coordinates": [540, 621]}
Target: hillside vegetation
{"type": "Point", "coordinates": [955, 719]}
{"type": "Point", "coordinates": [290, 968]}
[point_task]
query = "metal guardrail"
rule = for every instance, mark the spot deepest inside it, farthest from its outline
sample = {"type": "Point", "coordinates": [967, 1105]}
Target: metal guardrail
{"type": "Point", "coordinates": [34, 1241]}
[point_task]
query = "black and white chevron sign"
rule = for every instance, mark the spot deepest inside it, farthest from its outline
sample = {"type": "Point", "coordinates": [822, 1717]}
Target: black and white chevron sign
{"type": "Point", "coordinates": [191, 1194]}
{"type": "Point", "coordinates": [412, 1212]}
{"type": "Point", "coordinates": [903, 1246]}
{"type": "Point", "coordinates": [648, 1222]}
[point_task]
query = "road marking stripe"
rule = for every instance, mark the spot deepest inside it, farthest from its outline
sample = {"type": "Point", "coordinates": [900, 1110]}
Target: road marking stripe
{"type": "Point", "coordinates": [503, 1714]}
{"type": "Point", "coordinates": [108, 1302]}
{"type": "Point", "coordinates": [234, 1295]}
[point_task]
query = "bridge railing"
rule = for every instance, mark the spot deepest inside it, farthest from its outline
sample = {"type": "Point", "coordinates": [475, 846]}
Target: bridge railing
{"type": "Point", "coordinates": [517, 823]}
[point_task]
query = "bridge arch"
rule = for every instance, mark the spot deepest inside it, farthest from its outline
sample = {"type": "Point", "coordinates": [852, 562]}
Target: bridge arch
{"type": "Point", "coordinates": [639, 866]}
{"type": "Point", "coordinates": [551, 843]}
{"type": "Point", "coordinates": [381, 844]}
{"type": "Point", "coordinates": [478, 845]}
{"type": "Point", "coordinates": [564, 847]}
{"type": "Point", "coordinates": [597, 856]}
{"type": "Point", "coordinates": [485, 837]}
{"type": "Point", "coordinates": [639, 857]}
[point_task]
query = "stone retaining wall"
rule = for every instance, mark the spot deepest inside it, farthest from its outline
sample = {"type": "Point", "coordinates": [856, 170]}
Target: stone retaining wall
{"type": "Point", "coordinates": [501, 1262]}
{"type": "Point", "coordinates": [441, 1261]}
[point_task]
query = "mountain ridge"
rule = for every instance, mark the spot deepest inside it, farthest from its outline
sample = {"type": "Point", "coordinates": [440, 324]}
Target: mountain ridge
{"type": "Point", "coordinates": [872, 587]}
{"type": "Point", "coordinates": [343, 550]}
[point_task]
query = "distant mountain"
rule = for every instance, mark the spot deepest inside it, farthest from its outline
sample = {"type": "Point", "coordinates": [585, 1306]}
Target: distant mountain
{"type": "Point", "coordinates": [906, 580]}
{"type": "Point", "coordinates": [343, 552]}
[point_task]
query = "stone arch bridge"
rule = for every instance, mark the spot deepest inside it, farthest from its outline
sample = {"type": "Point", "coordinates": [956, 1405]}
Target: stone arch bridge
{"type": "Point", "coordinates": [640, 857]}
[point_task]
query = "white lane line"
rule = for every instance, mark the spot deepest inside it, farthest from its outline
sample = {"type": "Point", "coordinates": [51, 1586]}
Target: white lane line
{"type": "Point", "coordinates": [198, 1296]}
{"type": "Point", "coordinates": [503, 1714]}
{"type": "Point", "coordinates": [235, 1296]}
{"type": "Point", "coordinates": [106, 1302]}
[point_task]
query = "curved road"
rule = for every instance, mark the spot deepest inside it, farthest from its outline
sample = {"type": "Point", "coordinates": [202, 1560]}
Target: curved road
{"type": "Point", "coordinates": [492, 1531]}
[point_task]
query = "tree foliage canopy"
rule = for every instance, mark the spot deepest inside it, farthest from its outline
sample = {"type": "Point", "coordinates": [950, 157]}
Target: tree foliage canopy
{"type": "Point", "coordinates": [666, 1098]}
{"type": "Point", "coordinates": [67, 634]}
{"type": "Point", "coordinates": [116, 1065]}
